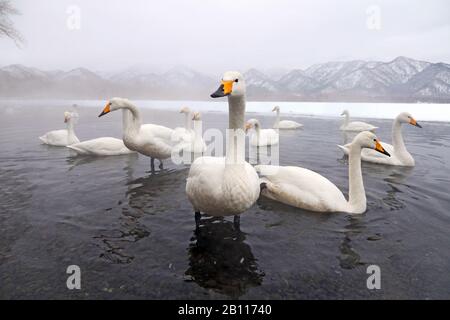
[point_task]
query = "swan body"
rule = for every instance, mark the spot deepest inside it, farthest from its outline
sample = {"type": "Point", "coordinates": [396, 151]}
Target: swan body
{"type": "Point", "coordinates": [105, 146]}
{"type": "Point", "coordinates": [218, 188]}
{"type": "Point", "coordinates": [151, 140]}
{"type": "Point", "coordinates": [284, 124]}
{"type": "Point", "coordinates": [64, 137]}
{"type": "Point", "coordinates": [261, 137]}
{"type": "Point", "coordinates": [306, 189]}
{"type": "Point", "coordinates": [399, 155]}
{"type": "Point", "coordinates": [223, 186]}
{"type": "Point", "coordinates": [356, 126]}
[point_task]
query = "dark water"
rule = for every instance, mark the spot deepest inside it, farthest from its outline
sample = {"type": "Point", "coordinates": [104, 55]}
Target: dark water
{"type": "Point", "coordinates": [133, 233]}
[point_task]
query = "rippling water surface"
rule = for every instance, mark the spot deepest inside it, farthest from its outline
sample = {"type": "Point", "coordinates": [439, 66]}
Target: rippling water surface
{"type": "Point", "coordinates": [132, 232]}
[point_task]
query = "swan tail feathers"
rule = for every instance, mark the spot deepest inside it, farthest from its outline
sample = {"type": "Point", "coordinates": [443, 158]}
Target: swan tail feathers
{"type": "Point", "coordinates": [76, 149]}
{"type": "Point", "coordinates": [344, 148]}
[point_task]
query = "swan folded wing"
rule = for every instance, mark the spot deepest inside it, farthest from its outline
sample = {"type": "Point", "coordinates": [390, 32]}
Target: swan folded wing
{"type": "Point", "coordinates": [158, 131]}
{"type": "Point", "coordinates": [101, 146]}
{"type": "Point", "coordinates": [289, 124]}
{"type": "Point", "coordinates": [345, 148]}
{"type": "Point", "coordinates": [359, 126]}
{"type": "Point", "coordinates": [302, 188]}
{"type": "Point", "coordinates": [56, 137]}
{"type": "Point", "coordinates": [181, 135]}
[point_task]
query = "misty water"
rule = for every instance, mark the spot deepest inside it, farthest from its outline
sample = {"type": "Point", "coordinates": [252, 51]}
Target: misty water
{"type": "Point", "coordinates": [132, 232]}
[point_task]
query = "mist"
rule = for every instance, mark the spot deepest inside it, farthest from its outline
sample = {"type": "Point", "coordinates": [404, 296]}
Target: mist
{"type": "Point", "coordinates": [213, 36]}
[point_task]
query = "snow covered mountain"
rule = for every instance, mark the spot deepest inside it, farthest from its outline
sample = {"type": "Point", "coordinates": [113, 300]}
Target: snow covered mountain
{"type": "Point", "coordinates": [400, 80]}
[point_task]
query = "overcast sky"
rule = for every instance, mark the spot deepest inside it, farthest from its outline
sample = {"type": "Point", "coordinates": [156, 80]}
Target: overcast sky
{"type": "Point", "coordinates": [215, 35]}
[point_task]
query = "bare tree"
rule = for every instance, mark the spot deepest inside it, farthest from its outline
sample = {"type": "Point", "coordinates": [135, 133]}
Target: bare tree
{"type": "Point", "coordinates": [6, 25]}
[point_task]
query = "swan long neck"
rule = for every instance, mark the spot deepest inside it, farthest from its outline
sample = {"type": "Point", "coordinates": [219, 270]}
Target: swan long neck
{"type": "Point", "coordinates": [346, 118]}
{"type": "Point", "coordinates": [397, 137]}
{"type": "Point", "coordinates": [197, 131]}
{"type": "Point", "coordinates": [131, 118]}
{"type": "Point", "coordinates": [258, 131]}
{"type": "Point", "coordinates": [357, 194]}
{"type": "Point", "coordinates": [71, 128]}
{"type": "Point", "coordinates": [277, 119]}
{"type": "Point", "coordinates": [187, 121]}
{"type": "Point", "coordinates": [235, 133]}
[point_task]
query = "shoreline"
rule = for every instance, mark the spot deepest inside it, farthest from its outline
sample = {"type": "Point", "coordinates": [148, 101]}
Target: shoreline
{"type": "Point", "coordinates": [431, 113]}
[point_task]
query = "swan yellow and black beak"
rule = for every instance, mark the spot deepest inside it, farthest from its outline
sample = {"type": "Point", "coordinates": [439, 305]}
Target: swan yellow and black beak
{"type": "Point", "coordinates": [380, 148]}
{"type": "Point", "coordinates": [106, 109]}
{"type": "Point", "coordinates": [226, 87]}
{"type": "Point", "coordinates": [414, 123]}
{"type": "Point", "coordinates": [248, 126]}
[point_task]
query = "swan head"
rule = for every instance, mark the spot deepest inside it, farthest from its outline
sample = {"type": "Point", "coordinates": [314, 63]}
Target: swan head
{"type": "Point", "coordinates": [250, 124]}
{"type": "Point", "coordinates": [345, 113]}
{"type": "Point", "coordinates": [406, 117]}
{"type": "Point", "coordinates": [69, 116]}
{"type": "Point", "coordinates": [232, 84]}
{"type": "Point", "coordinates": [66, 116]}
{"type": "Point", "coordinates": [196, 116]}
{"type": "Point", "coordinates": [113, 105]}
{"type": "Point", "coordinates": [369, 140]}
{"type": "Point", "coordinates": [185, 110]}
{"type": "Point", "coordinates": [276, 108]}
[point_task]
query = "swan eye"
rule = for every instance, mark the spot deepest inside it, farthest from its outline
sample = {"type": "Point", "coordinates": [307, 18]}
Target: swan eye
{"type": "Point", "coordinates": [375, 140]}
{"type": "Point", "coordinates": [237, 80]}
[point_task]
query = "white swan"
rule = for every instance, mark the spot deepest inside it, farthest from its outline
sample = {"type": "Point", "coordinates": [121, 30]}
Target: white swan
{"type": "Point", "coordinates": [284, 124]}
{"type": "Point", "coordinates": [184, 133]}
{"type": "Point", "coordinates": [262, 137]}
{"type": "Point", "coordinates": [105, 146]}
{"type": "Point", "coordinates": [228, 185]}
{"type": "Point", "coordinates": [195, 143]}
{"type": "Point", "coordinates": [151, 140]}
{"type": "Point", "coordinates": [65, 137]}
{"type": "Point", "coordinates": [309, 190]}
{"type": "Point", "coordinates": [399, 155]}
{"type": "Point", "coordinates": [355, 125]}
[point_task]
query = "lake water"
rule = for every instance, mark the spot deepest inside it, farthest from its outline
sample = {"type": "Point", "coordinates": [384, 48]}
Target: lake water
{"type": "Point", "coordinates": [133, 232]}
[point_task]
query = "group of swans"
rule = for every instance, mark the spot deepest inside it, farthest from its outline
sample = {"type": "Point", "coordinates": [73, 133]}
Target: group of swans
{"type": "Point", "coordinates": [269, 137]}
{"type": "Point", "coordinates": [105, 146]}
{"type": "Point", "coordinates": [230, 185]}
{"type": "Point", "coordinates": [155, 141]}
{"type": "Point", "coordinates": [399, 154]}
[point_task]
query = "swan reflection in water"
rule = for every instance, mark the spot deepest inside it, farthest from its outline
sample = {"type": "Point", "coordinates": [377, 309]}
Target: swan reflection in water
{"type": "Point", "coordinates": [102, 161]}
{"type": "Point", "coordinates": [349, 258]}
{"type": "Point", "coordinates": [220, 260]}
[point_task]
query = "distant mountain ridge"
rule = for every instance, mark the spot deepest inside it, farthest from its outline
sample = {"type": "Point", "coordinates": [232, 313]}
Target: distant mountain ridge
{"type": "Point", "coordinates": [400, 80]}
